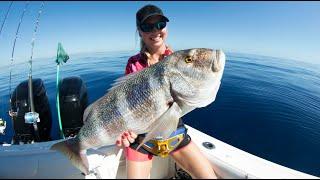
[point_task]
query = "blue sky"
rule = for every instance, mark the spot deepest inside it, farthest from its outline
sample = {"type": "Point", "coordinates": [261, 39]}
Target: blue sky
{"type": "Point", "coordinates": [280, 29]}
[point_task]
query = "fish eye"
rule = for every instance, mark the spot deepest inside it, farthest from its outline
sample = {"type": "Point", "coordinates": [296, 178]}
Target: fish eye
{"type": "Point", "coordinates": [188, 59]}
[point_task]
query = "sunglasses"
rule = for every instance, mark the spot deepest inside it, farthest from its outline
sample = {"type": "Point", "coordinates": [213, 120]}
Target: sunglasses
{"type": "Point", "coordinates": [149, 27]}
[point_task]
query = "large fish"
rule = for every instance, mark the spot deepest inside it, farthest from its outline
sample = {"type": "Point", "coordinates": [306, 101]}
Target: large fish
{"type": "Point", "coordinates": [149, 101]}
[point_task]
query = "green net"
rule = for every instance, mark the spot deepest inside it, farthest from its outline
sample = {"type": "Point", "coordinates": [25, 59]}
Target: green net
{"type": "Point", "coordinates": [62, 56]}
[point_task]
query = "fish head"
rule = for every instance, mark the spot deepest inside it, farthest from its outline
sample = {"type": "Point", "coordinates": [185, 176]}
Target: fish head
{"type": "Point", "coordinates": [196, 75]}
{"type": "Point", "coordinates": [199, 61]}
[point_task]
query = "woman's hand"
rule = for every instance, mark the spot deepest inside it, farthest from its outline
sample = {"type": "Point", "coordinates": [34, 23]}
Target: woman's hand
{"type": "Point", "coordinates": [125, 139]}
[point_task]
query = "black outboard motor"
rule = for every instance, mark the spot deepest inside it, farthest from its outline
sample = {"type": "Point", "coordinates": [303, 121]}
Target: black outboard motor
{"type": "Point", "coordinates": [73, 102]}
{"type": "Point", "coordinates": [24, 132]}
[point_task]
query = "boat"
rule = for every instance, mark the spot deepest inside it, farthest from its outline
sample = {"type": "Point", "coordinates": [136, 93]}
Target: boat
{"type": "Point", "coordinates": [38, 161]}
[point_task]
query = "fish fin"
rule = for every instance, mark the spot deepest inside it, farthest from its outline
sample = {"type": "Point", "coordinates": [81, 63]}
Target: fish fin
{"type": "Point", "coordinates": [165, 125]}
{"type": "Point", "coordinates": [77, 157]}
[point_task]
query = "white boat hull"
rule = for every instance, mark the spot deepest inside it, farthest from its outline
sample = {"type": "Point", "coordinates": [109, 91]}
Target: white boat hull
{"type": "Point", "coordinates": [37, 161]}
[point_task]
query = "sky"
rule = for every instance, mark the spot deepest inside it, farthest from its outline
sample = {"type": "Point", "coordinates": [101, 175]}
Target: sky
{"type": "Point", "coordinates": [288, 30]}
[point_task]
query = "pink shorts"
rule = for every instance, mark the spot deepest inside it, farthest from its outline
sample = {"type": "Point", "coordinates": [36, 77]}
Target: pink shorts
{"type": "Point", "coordinates": [134, 155]}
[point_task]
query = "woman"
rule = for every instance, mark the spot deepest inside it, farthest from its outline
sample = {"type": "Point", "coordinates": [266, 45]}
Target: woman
{"type": "Point", "coordinates": [151, 25]}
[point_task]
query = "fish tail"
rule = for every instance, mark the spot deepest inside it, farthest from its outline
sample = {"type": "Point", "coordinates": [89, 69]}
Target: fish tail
{"type": "Point", "coordinates": [70, 149]}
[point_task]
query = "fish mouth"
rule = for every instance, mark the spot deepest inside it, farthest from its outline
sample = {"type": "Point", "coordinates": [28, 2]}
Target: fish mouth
{"type": "Point", "coordinates": [218, 61]}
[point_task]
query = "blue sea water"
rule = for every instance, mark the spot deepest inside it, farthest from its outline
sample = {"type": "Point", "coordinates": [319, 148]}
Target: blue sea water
{"type": "Point", "coordinates": [267, 106]}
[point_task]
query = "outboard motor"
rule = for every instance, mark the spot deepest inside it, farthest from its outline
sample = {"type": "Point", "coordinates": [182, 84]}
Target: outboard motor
{"type": "Point", "coordinates": [73, 101]}
{"type": "Point", "coordinates": [24, 132]}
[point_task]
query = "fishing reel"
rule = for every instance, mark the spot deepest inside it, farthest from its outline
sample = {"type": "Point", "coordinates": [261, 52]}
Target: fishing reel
{"type": "Point", "coordinates": [3, 125]}
{"type": "Point", "coordinates": [13, 113]}
{"type": "Point", "coordinates": [31, 118]}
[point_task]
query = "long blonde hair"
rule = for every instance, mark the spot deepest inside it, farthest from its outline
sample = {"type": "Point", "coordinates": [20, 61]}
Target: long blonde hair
{"type": "Point", "coordinates": [143, 47]}
{"type": "Point", "coordinates": [144, 50]}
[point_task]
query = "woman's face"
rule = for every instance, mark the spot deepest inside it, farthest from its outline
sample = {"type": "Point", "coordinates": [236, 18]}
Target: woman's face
{"type": "Point", "coordinates": [155, 38]}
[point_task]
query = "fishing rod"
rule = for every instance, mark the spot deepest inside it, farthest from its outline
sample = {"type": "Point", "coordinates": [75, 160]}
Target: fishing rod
{"type": "Point", "coordinates": [3, 123]}
{"type": "Point", "coordinates": [30, 61]}
{"type": "Point", "coordinates": [32, 117]}
{"type": "Point", "coordinates": [5, 18]}
{"type": "Point", "coordinates": [11, 113]}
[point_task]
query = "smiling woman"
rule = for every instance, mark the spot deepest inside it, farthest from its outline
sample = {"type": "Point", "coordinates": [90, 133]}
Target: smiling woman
{"type": "Point", "coordinates": [151, 25]}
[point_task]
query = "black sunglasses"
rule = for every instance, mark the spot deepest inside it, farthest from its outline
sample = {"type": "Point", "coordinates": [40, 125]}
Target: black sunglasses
{"type": "Point", "coordinates": [149, 27]}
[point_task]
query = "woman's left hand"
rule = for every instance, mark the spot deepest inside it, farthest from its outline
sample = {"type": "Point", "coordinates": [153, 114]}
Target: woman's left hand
{"type": "Point", "coordinates": [126, 138]}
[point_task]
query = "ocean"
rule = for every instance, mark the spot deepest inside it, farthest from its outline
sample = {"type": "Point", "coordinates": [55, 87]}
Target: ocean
{"type": "Point", "coordinates": [267, 106]}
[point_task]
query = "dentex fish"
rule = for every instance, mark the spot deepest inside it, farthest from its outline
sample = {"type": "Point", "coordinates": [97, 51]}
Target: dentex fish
{"type": "Point", "coordinates": [149, 101]}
